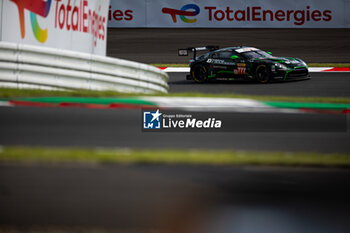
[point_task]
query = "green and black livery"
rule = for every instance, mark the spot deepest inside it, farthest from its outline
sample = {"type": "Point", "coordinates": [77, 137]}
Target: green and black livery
{"type": "Point", "coordinates": [242, 63]}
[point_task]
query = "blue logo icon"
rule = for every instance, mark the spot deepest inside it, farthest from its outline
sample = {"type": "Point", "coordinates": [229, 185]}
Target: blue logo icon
{"type": "Point", "coordinates": [151, 120]}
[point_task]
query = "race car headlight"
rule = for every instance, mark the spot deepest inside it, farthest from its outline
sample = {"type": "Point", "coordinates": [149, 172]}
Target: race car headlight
{"type": "Point", "coordinates": [280, 66]}
{"type": "Point", "coordinates": [304, 63]}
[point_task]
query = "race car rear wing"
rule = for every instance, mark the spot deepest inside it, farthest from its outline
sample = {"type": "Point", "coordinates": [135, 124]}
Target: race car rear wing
{"type": "Point", "coordinates": [184, 52]}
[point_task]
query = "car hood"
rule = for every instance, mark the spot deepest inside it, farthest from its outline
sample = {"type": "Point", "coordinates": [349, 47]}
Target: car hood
{"type": "Point", "coordinates": [289, 61]}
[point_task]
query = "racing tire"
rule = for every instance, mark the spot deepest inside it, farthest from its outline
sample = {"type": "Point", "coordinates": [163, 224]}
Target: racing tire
{"type": "Point", "coordinates": [262, 74]}
{"type": "Point", "coordinates": [199, 73]}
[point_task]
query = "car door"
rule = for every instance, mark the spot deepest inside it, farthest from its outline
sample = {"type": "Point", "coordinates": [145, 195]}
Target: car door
{"type": "Point", "coordinates": [221, 64]}
{"type": "Point", "coordinates": [226, 66]}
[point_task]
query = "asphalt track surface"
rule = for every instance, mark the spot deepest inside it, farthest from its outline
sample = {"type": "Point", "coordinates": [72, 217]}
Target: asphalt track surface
{"type": "Point", "coordinates": [67, 126]}
{"type": "Point", "coordinates": [174, 198]}
{"type": "Point", "coordinates": [160, 45]}
{"type": "Point", "coordinates": [122, 127]}
{"type": "Point", "coordinates": [320, 85]}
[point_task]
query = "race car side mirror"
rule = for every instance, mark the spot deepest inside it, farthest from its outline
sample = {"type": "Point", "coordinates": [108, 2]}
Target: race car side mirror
{"type": "Point", "coordinates": [269, 53]}
{"type": "Point", "coordinates": [234, 57]}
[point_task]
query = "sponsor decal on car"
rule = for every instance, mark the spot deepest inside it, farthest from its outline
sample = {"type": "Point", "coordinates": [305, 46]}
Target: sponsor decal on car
{"type": "Point", "coordinates": [220, 62]}
{"type": "Point", "coordinates": [220, 67]}
{"type": "Point", "coordinates": [240, 70]}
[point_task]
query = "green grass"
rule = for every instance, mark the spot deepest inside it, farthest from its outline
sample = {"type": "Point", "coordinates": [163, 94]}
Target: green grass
{"type": "Point", "coordinates": [170, 65]}
{"type": "Point", "coordinates": [158, 156]}
{"type": "Point", "coordinates": [11, 92]}
{"type": "Point", "coordinates": [6, 93]}
{"type": "Point", "coordinates": [309, 64]}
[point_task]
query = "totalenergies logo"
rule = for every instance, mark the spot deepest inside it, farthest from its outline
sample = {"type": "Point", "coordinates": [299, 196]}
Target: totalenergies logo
{"type": "Point", "coordinates": [68, 16]}
{"type": "Point", "coordinates": [36, 7]}
{"type": "Point", "coordinates": [194, 10]}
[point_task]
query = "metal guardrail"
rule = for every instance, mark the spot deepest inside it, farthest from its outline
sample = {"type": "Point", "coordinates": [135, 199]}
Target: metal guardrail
{"type": "Point", "coordinates": [27, 66]}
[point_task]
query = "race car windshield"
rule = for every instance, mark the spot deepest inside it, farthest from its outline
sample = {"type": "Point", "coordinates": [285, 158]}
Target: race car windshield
{"type": "Point", "coordinates": [204, 56]}
{"type": "Point", "coordinates": [255, 54]}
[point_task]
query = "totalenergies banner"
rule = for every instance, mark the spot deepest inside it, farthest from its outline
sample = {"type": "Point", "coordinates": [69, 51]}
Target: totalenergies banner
{"type": "Point", "coordinates": [230, 13]}
{"type": "Point", "coordinates": [78, 25]}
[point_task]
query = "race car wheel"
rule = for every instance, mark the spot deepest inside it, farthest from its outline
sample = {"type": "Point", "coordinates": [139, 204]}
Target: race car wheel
{"type": "Point", "coordinates": [262, 74]}
{"type": "Point", "coordinates": [200, 73]}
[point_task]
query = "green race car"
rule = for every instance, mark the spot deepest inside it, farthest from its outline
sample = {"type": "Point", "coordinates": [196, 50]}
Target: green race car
{"type": "Point", "coordinates": [242, 63]}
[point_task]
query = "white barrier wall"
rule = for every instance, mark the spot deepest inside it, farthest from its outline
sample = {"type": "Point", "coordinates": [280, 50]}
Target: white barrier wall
{"type": "Point", "coordinates": [230, 13]}
{"type": "Point", "coordinates": [28, 66]}
{"type": "Point", "coordinates": [77, 25]}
